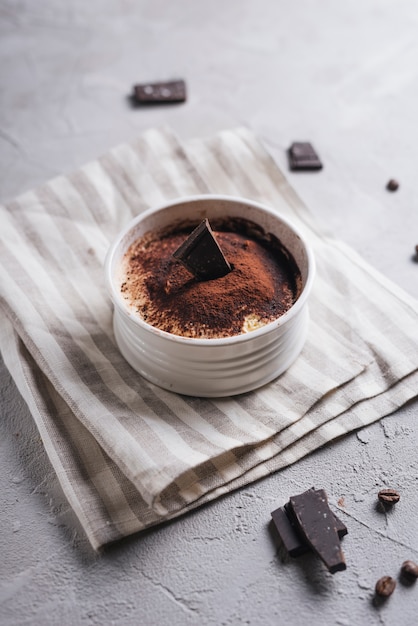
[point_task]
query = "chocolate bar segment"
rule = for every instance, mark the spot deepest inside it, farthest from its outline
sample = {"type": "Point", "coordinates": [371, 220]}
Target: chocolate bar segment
{"type": "Point", "coordinates": [202, 255]}
{"type": "Point", "coordinates": [291, 538]}
{"type": "Point", "coordinates": [302, 156]}
{"type": "Point", "coordinates": [317, 527]}
{"type": "Point", "coordinates": [339, 524]}
{"type": "Point", "coordinates": [160, 93]}
{"type": "Point", "coordinates": [288, 534]}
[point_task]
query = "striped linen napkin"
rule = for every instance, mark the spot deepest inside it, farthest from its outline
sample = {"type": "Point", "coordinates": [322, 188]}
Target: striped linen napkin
{"type": "Point", "coordinates": [128, 454]}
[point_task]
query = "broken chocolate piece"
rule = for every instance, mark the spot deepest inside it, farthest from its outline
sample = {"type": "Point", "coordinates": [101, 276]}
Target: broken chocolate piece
{"type": "Point", "coordinates": [302, 156]}
{"type": "Point", "coordinates": [160, 93]}
{"type": "Point", "coordinates": [339, 524]}
{"type": "Point", "coordinates": [316, 524]}
{"type": "Point", "coordinates": [291, 538]}
{"type": "Point", "coordinates": [202, 255]}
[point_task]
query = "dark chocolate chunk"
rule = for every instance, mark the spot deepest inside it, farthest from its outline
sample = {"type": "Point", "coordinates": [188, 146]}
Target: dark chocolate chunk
{"type": "Point", "coordinates": [202, 255]}
{"type": "Point", "coordinates": [316, 525]}
{"type": "Point", "coordinates": [292, 540]}
{"type": "Point", "coordinates": [302, 156]}
{"type": "Point", "coordinates": [339, 524]}
{"type": "Point", "coordinates": [160, 93]}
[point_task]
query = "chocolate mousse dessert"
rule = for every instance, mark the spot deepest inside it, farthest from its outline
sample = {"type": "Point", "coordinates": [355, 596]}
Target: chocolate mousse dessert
{"type": "Point", "coordinates": [261, 281]}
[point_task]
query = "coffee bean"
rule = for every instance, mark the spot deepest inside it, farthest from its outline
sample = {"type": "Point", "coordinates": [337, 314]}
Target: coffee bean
{"type": "Point", "coordinates": [409, 569]}
{"type": "Point", "coordinates": [385, 586]}
{"type": "Point", "coordinates": [392, 185]}
{"type": "Point", "coordinates": [388, 496]}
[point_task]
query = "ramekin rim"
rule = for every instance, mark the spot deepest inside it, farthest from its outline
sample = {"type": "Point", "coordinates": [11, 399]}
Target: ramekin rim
{"type": "Point", "coordinates": [203, 341]}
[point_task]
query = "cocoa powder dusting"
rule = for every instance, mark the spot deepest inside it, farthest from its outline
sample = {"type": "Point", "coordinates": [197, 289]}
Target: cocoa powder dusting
{"type": "Point", "coordinates": [263, 284]}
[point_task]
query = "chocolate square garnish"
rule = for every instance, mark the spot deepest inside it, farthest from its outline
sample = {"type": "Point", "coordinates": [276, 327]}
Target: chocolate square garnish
{"type": "Point", "coordinates": [307, 523]}
{"type": "Point", "coordinates": [291, 540]}
{"type": "Point", "coordinates": [316, 525]}
{"type": "Point", "coordinates": [303, 156]}
{"type": "Point", "coordinates": [168, 92]}
{"type": "Point", "coordinates": [202, 255]}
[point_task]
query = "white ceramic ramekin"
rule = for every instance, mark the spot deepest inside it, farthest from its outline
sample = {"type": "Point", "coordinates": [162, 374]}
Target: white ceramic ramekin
{"type": "Point", "coordinates": [210, 367]}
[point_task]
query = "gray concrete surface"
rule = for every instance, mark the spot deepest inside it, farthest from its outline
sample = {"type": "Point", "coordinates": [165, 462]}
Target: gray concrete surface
{"type": "Point", "coordinates": [343, 75]}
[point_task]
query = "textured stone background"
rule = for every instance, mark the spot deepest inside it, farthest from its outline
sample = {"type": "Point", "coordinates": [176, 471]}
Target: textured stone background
{"type": "Point", "coordinates": [343, 75]}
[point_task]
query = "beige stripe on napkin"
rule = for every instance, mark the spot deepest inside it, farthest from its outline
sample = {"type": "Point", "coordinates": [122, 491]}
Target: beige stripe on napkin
{"type": "Point", "coordinates": [127, 453]}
